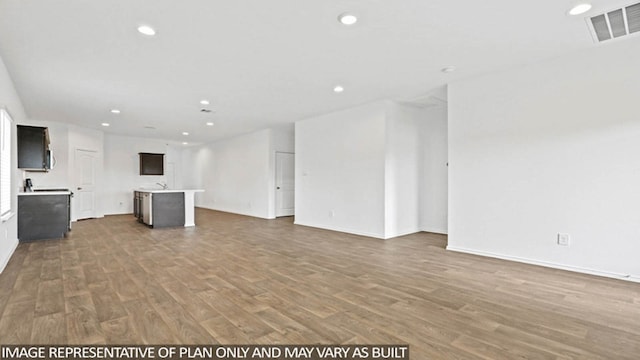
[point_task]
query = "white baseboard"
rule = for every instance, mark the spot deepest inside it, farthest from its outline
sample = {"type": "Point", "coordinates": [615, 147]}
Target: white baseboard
{"type": "Point", "coordinates": [339, 229]}
{"type": "Point", "coordinates": [233, 212]}
{"type": "Point", "coordinates": [627, 277]}
{"type": "Point", "coordinates": [435, 230]}
{"type": "Point", "coordinates": [12, 249]}
{"type": "Point", "coordinates": [403, 233]}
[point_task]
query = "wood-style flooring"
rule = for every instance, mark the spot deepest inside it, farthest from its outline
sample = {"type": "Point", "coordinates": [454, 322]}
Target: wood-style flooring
{"type": "Point", "coordinates": [239, 280]}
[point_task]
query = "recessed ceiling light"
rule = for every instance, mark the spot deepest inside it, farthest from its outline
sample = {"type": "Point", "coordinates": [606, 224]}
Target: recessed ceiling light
{"type": "Point", "coordinates": [146, 30]}
{"type": "Point", "coordinates": [580, 9]}
{"type": "Point", "coordinates": [209, 123]}
{"type": "Point", "coordinates": [115, 111]}
{"type": "Point", "coordinates": [185, 143]}
{"type": "Point", "coordinates": [448, 69]}
{"type": "Point", "coordinates": [105, 124]}
{"type": "Point", "coordinates": [347, 19]}
{"type": "Point", "coordinates": [185, 133]}
{"type": "Point", "coordinates": [338, 89]}
{"type": "Point", "coordinates": [204, 102]}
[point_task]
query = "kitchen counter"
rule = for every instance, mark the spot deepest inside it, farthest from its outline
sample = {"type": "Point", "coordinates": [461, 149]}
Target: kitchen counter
{"type": "Point", "coordinates": [44, 193]}
{"type": "Point", "coordinates": [44, 215]}
{"type": "Point", "coordinates": [159, 191]}
{"type": "Point", "coordinates": [162, 208]}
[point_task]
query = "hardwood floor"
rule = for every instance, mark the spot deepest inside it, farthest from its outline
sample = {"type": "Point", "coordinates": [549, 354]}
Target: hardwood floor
{"type": "Point", "coordinates": [235, 279]}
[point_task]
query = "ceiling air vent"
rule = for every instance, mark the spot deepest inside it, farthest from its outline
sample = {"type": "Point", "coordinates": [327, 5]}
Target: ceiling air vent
{"type": "Point", "coordinates": [616, 23]}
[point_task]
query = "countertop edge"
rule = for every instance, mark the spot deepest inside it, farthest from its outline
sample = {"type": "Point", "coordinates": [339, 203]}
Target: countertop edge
{"type": "Point", "coordinates": [44, 193]}
{"type": "Point", "coordinates": [168, 190]}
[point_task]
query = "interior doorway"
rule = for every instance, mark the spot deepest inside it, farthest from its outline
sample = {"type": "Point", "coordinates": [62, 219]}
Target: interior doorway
{"type": "Point", "coordinates": [285, 184]}
{"type": "Point", "coordinates": [85, 184]}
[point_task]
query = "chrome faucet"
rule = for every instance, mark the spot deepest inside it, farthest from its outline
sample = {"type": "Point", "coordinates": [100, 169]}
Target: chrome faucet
{"type": "Point", "coordinates": [164, 186]}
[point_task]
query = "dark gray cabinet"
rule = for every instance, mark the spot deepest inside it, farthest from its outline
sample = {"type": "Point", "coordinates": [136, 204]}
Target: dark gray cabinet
{"type": "Point", "coordinates": [168, 209]}
{"type": "Point", "coordinates": [159, 209]}
{"type": "Point", "coordinates": [33, 148]}
{"type": "Point", "coordinates": [151, 164]}
{"type": "Point", "coordinates": [43, 216]}
{"type": "Point", "coordinates": [137, 205]}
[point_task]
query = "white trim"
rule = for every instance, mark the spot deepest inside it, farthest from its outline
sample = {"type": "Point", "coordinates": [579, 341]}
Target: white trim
{"type": "Point", "coordinates": [441, 231]}
{"type": "Point", "coordinates": [233, 212]}
{"type": "Point", "coordinates": [7, 216]}
{"type": "Point", "coordinates": [273, 192]}
{"type": "Point", "coordinates": [6, 163]}
{"type": "Point", "coordinates": [627, 277]}
{"type": "Point", "coordinates": [344, 230]}
{"type": "Point", "coordinates": [403, 233]}
{"type": "Point", "coordinates": [12, 249]}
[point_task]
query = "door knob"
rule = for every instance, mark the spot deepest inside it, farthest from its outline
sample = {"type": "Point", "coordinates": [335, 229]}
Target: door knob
{"type": "Point", "coordinates": [79, 188]}
{"type": "Point", "coordinates": [278, 187]}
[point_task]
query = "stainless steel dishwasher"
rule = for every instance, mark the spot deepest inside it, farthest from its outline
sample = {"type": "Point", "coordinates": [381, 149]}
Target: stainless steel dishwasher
{"type": "Point", "coordinates": [147, 215]}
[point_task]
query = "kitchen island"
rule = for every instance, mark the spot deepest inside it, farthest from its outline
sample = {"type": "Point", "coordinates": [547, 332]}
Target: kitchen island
{"type": "Point", "coordinates": [165, 208]}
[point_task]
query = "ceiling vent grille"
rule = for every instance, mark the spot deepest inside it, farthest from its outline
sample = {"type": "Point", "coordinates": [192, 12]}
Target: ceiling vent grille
{"type": "Point", "coordinates": [616, 23]}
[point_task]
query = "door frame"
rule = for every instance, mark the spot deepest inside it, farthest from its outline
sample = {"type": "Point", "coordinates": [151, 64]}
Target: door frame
{"type": "Point", "coordinates": [74, 185]}
{"type": "Point", "coordinates": [275, 177]}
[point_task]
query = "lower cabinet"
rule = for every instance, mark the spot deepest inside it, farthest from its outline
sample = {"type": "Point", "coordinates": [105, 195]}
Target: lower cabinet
{"type": "Point", "coordinates": [167, 209]}
{"type": "Point", "coordinates": [159, 209]}
{"type": "Point", "coordinates": [137, 205]}
{"type": "Point", "coordinates": [43, 217]}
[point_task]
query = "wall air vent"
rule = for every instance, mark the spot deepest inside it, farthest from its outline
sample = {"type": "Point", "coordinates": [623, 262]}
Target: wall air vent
{"type": "Point", "coordinates": [616, 23]}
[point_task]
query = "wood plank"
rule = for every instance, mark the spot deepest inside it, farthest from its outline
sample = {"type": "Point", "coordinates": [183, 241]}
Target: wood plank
{"type": "Point", "coordinates": [234, 279]}
{"type": "Point", "coordinates": [106, 302]}
{"type": "Point", "coordinates": [50, 298]}
{"type": "Point", "coordinates": [149, 324]}
{"type": "Point", "coordinates": [82, 322]}
{"type": "Point", "coordinates": [49, 330]}
{"type": "Point", "coordinates": [120, 331]}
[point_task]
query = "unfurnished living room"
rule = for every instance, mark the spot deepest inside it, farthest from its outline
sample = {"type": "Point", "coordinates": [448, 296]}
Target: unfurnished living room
{"type": "Point", "coordinates": [335, 179]}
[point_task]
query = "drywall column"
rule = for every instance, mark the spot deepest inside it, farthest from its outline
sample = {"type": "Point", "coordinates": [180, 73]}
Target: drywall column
{"type": "Point", "coordinates": [433, 169]}
{"type": "Point", "coordinates": [402, 170]}
{"type": "Point", "coordinates": [340, 170]}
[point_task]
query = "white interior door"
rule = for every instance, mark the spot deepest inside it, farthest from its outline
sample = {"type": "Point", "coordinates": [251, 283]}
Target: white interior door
{"type": "Point", "coordinates": [285, 184]}
{"type": "Point", "coordinates": [84, 192]}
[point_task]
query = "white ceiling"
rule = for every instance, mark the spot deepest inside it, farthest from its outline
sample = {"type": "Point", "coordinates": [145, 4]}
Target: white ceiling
{"type": "Point", "coordinates": [261, 63]}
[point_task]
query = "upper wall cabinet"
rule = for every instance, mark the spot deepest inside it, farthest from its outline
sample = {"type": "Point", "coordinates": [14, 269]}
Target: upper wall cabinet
{"type": "Point", "coordinates": [151, 164]}
{"type": "Point", "coordinates": [33, 148]}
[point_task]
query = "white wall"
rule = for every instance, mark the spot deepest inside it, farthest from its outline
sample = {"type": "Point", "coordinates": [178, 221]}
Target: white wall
{"type": "Point", "coordinates": [282, 140]}
{"type": "Point", "coordinates": [92, 140]}
{"type": "Point", "coordinates": [235, 174]}
{"type": "Point", "coordinates": [550, 148]}
{"type": "Point", "coordinates": [433, 169]}
{"type": "Point", "coordinates": [402, 170]}
{"type": "Point", "coordinates": [117, 172]}
{"type": "Point", "coordinates": [340, 170]}
{"type": "Point", "coordinates": [58, 177]}
{"type": "Point", "coordinates": [10, 100]}
{"type": "Point", "coordinates": [122, 173]}
{"type": "Point", "coordinates": [65, 139]}
{"type": "Point", "coordinates": [377, 170]}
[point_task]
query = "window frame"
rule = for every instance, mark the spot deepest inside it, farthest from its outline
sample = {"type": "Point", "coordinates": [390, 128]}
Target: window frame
{"type": "Point", "coordinates": [6, 135]}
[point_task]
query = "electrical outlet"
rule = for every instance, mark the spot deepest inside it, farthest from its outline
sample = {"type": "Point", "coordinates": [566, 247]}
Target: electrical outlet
{"type": "Point", "coordinates": [563, 239]}
{"type": "Point", "coordinates": [332, 213]}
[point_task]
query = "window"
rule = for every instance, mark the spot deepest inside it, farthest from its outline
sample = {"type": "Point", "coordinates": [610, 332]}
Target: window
{"type": "Point", "coordinates": [5, 164]}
